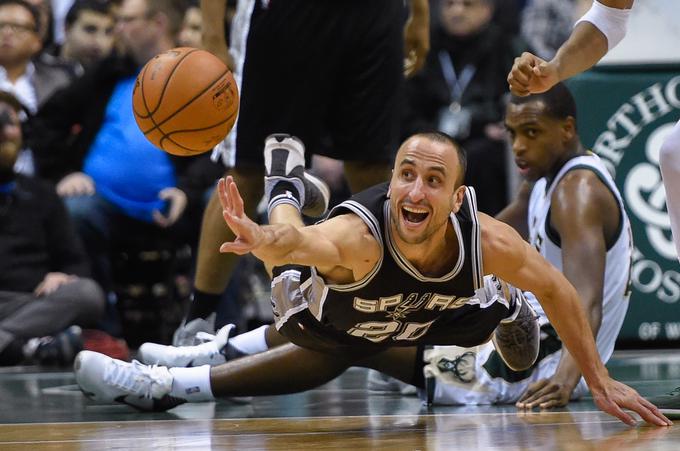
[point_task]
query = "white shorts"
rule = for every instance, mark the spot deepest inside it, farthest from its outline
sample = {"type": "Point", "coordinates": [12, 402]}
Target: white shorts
{"type": "Point", "coordinates": [458, 376]}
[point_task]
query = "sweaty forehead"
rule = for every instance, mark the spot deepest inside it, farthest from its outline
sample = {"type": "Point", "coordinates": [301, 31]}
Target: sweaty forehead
{"type": "Point", "coordinates": [518, 114]}
{"type": "Point", "coordinates": [427, 152]}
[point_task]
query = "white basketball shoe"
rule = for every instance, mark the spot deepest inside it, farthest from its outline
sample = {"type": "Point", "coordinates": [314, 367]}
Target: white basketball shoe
{"type": "Point", "coordinates": [284, 157]}
{"type": "Point", "coordinates": [108, 380]}
{"type": "Point", "coordinates": [186, 333]}
{"type": "Point", "coordinates": [210, 352]}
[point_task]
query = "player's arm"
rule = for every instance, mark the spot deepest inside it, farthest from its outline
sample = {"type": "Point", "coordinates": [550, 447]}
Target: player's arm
{"type": "Point", "coordinates": [592, 38]}
{"type": "Point", "coordinates": [416, 36]}
{"type": "Point", "coordinates": [598, 31]}
{"type": "Point", "coordinates": [509, 257]}
{"type": "Point", "coordinates": [343, 241]}
{"type": "Point", "coordinates": [579, 205]}
{"type": "Point", "coordinates": [516, 213]}
{"type": "Point", "coordinates": [213, 38]}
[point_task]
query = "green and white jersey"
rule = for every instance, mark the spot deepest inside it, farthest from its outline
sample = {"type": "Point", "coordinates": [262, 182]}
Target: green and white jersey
{"type": "Point", "coordinates": [545, 239]}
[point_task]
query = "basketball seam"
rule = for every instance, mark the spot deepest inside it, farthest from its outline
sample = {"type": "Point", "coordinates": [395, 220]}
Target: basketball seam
{"type": "Point", "coordinates": [165, 86]}
{"type": "Point", "coordinates": [167, 135]}
{"type": "Point", "coordinates": [140, 78]}
{"type": "Point", "coordinates": [178, 110]}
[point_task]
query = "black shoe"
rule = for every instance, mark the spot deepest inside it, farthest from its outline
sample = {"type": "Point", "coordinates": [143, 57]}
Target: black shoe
{"type": "Point", "coordinates": [668, 404]}
{"type": "Point", "coordinates": [518, 341]}
{"type": "Point", "coordinates": [60, 349]}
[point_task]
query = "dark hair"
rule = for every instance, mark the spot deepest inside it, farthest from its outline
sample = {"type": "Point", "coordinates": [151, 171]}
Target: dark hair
{"type": "Point", "coordinates": [558, 101]}
{"type": "Point", "coordinates": [31, 9]}
{"type": "Point", "coordinates": [99, 6]}
{"type": "Point", "coordinates": [441, 137]}
{"type": "Point", "coordinates": [173, 10]}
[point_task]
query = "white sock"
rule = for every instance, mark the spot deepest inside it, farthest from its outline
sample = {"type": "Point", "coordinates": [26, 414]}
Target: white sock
{"type": "Point", "coordinates": [669, 160]}
{"type": "Point", "coordinates": [252, 342]}
{"type": "Point", "coordinates": [192, 384]}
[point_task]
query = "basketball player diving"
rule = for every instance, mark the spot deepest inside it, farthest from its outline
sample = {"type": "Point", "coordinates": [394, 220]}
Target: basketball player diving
{"type": "Point", "coordinates": [401, 265]}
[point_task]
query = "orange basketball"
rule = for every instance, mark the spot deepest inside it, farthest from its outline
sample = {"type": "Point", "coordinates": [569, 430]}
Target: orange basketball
{"type": "Point", "coordinates": [185, 101]}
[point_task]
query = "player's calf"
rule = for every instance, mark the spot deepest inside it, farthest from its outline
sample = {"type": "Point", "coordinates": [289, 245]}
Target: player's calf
{"type": "Point", "coordinates": [517, 338]}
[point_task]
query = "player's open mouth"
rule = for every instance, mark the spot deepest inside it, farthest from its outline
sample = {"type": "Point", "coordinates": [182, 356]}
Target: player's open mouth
{"type": "Point", "coordinates": [414, 215]}
{"type": "Point", "coordinates": [523, 167]}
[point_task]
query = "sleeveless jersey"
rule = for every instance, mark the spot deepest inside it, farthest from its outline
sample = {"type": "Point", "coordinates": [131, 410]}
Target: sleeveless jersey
{"type": "Point", "coordinates": [617, 268]}
{"type": "Point", "coordinates": [394, 304]}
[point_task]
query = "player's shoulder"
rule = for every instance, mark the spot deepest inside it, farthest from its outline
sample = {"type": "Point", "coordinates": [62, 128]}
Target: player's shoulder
{"type": "Point", "coordinates": [496, 236]}
{"type": "Point", "coordinates": [580, 185]}
{"type": "Point", "coordinates": [500, 243]}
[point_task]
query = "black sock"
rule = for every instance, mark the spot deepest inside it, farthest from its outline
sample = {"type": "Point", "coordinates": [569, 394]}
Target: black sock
{"type": "Point", "coordinates": [418, 379]}
{"type": "Point", "coordinates": [202, 305]}
{"type": "Point", "coordinates": [282, 187]}
{"type": "Point", "coordinates": [231, 353]}
{"type": "Point", "coordinates": [13, 354]}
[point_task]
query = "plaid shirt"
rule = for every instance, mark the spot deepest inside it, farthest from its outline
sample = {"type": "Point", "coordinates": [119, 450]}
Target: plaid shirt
{"type": "Point", "coordinates": [546, 24]}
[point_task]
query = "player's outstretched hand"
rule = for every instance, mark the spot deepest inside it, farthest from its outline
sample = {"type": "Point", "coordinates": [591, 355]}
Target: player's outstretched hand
{"type": "Point", "coordinates": [545, 394]}
{"type": "Point", "coordinates": [249, 235]}
{"type": "Point", "coordinates": [531, 75]}
{"type": "Point", "coordinates": [614, 396]}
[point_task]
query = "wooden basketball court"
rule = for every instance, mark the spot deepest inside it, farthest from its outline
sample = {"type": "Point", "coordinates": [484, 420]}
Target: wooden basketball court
{"type": "Point", "coordinates": [45, 410]}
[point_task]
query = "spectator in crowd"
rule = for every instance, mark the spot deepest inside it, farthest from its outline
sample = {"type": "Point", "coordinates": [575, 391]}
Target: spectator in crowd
{"type": "Point", "coordinates": [87, 142]}
{"type": "Point", "coordinates": [45, 26]}
{"type": "Point", "coordinates": [44, 287]}
{"type": "Point", "coordinates": [31, 79]}
{"type": "Point", "coordinates": [546, 24]}
{"type": "Point", "coordinates": [88, 34]}
{"type": "Point", "coordinates": [461, 88]}
{"type": "Point", "coordinates": [192, 27]}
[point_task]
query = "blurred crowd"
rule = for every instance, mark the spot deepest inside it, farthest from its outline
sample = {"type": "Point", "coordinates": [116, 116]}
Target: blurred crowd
{"type": "Point", "coordinates": [99, 228]}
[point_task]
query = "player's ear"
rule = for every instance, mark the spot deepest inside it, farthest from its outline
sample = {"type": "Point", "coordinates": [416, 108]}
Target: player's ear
{"type": "Point", "coordinates": [457, 198]}
{"type": "Point", "coordinates": [569, 128]}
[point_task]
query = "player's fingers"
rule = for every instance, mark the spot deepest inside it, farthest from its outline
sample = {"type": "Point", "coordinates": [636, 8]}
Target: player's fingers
{"type": "Point", "coordinates": [651, 414]}
{"type": "Point", "coordinates": [536, 398]}
{"type": "Point", "coordinates": [551, 402]}
{"type": "Point", "coordinates": [614, 410]}
{"type": "Point", "coordinates": [532, 389]}
{"type": "Point", "coordinates": [518, 89]}
{"type": "Point", "coordinates": [653, 408]}
{"type": "Point", "coordinates": [222, 194]}
{"type": "Point", "coordinates": [233, 248]}
{"type": "Point", "coordinates": [236, 199]}
{"type": "Point", "coordinates": [521, 73]}
{"type": "Point", "coordinates": [231, 221]}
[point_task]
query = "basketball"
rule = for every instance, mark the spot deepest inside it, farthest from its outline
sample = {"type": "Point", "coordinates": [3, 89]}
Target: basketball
{"type": "Point", "coordinates": [185, 101]}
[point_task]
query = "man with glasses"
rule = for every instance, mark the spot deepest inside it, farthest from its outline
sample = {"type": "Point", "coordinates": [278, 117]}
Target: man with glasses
{"type": "Point", "coordinates": [30, 79]}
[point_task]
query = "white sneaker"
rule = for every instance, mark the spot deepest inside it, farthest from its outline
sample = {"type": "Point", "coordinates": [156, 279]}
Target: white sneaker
{"type": "Point", "coordinates": [185, 335]}
{"type": "Point", "coordinates": [284, 160]}
{"type": "Point", "coordinates": [207, 353]}
{"type": "Point", "coordinates": [108, 380]}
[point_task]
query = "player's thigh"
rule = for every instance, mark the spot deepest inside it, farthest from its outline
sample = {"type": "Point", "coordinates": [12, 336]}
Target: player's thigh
{"type": "Point", "coordinates": [361, 175]}
{"type": "Point", "coordinates": [284, 84]}
{"type": "Point", "coordinates": [364, 122]}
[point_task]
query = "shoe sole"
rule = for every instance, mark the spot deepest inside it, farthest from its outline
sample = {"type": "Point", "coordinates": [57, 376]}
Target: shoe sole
{"type": "Point", "coordinates": [325, 193]}
{"type": "Point", "coordinates": [672, 414]}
